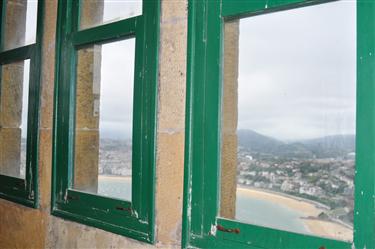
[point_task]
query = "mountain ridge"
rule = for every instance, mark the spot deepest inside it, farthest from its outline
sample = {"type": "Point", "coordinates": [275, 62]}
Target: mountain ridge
{"type": "Point", "coordinates": [322, 147]}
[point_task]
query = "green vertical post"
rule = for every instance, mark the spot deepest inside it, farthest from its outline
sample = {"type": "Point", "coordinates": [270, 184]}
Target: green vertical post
{"type": "Point", "coordinates": [364, 215]}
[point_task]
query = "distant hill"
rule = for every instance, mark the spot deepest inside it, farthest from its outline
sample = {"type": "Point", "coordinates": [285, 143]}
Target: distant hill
{"type": "Point", "coordinates": [330, 146]}
{"type": "Point", "coordinates": [257, 142]}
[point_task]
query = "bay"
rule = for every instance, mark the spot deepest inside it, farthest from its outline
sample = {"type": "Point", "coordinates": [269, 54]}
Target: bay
{"type": "Point", "coordinates": [248, 209]}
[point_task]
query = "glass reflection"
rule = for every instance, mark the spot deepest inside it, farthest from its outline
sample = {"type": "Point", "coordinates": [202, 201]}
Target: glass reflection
{"type": "Point", "coordinates": [288, 120]}
{"type": "Point", "coordinates": [104, 107]}
{"type": "Point", "coordinates": [97, 12]}
{"type": "Point", "coordinates": [14, 102]}
{"type": "Point", "coordinates": [20, 23]}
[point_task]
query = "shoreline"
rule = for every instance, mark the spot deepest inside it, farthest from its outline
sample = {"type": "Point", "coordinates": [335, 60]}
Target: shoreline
{"type": "Point", "coordinates": [297, 198]}
{"type": "Point", "coordinates": [309, 209]}
{"type": "Point", "coordinates": [107, 177]}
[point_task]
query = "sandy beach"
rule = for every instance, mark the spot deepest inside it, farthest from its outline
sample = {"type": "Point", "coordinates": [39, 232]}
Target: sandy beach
{"type": "Point", "coordinates": [115, 177]}
{"type": "Point", "coordinates": [309, 209]}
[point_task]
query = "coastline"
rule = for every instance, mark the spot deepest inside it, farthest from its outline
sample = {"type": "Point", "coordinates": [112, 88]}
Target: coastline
{"type": "Point", "coordinates": [115, 177]}
{"type": "Point", "coordinates": [309, 209]}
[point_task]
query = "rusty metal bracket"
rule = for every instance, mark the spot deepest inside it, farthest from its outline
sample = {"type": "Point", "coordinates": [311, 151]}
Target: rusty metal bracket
{"type": "Point", "coordinates": [228, 230]}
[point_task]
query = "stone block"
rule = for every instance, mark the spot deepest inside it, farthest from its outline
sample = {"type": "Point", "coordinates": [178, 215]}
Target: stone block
{"type": "Point", "coordinates": [228, 176]}
{"type": "Point", "coordinates": [10, 151]}
{"type": "Point", "coordinates": [229, 121]}
{"type": "Point", "coordinates": [15, 24]}
{"type": "Point", "coordinates": [88, 87]}
{"type": "Point", "coordinates": [230, 82]}
{"type": "Point", "coordinates": [91, 13]}
{"type": "Point", "coordinates": [11, 95]}
{"type": "Point", "coordinates": [169, 186]}
{"type": "Point", "coordinates": [86, 160]}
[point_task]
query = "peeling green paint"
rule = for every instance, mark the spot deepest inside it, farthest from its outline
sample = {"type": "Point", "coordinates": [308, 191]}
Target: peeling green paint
{"type": "Point", "coordinates": [134, 219]}
{"type": "Point", "coordinates": [201, 201]}
{"type": "Point", "coordinates": [26, 191]}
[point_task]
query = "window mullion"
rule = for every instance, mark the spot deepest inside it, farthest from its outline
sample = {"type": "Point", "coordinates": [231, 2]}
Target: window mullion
{"type": "Point", "coordinates": [232, 8]}
{"type": "Point", "coordinates": [24, 190]}
{"type": "Point", "coordinates": [203, 226]}
{"type": "Point", "coordinates": [81, 55]}
{"type": "Point", "coordinates": [106, 32]}
{"type": "Point", "coordinates": [17, 54]}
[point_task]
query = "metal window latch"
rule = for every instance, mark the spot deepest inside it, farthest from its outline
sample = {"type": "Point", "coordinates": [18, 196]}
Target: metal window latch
{"type": "Point", "coordinates": [73, 198]}
{"type": "Point", "coordinates": [129, 209]}
{"type": "Point", "coordinates": [228, 230]}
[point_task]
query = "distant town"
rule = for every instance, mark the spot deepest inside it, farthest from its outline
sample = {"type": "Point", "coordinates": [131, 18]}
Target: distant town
{"type": "Point", "coordinates": [321, 170]}
{"type": "Point", "coordinates": [115, 157]}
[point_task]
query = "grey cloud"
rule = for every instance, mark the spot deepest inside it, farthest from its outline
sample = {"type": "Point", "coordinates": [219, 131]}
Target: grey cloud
{"type": "Point", "coordinates": [297, 72]}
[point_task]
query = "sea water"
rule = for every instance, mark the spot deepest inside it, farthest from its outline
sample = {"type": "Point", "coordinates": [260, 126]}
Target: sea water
{"type": "Point", "coordinates": [248, 209]}
{"type": "Point", "coordinates": [117, 187]}
{"type": "Point", "coordinates": [269, 214]}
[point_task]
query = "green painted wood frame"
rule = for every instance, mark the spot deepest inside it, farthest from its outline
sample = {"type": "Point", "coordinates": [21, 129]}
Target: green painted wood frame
{"type": "Point", "coordinates": [25, 191]}
{"type": "Point", "coordinates": [134, 219]}
{"type": "Point", "coordinates": [202, 144]}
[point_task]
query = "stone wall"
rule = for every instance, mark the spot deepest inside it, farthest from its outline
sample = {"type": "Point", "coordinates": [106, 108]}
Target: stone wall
{"type": "Point", "coordinates": [22, 227]}
{"type": "Point", "coordinates": [229, 121]}
{"type": "Point", "coordinates": [11, 91]}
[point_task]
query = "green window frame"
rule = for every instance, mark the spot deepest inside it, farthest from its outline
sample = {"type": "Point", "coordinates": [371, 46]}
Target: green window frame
{"type": "Point", "coordinates": [202, 144]}
{"type": "Point", "coordinates": [134, 219]}
{"type": "Point", "coordinates": [25, 191]}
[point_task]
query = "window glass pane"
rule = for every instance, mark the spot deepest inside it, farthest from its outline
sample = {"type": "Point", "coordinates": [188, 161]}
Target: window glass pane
{"type": "Point", "coordinates": [13, 118]}
{"type": "Point", "coordinates": [288, 120]}
{"type": "Point", "coordinates": [104, 107]}
{"type": "Point", "coordinates": [97, 12]}
{"type": "Point", "coordinates": [20, 23]}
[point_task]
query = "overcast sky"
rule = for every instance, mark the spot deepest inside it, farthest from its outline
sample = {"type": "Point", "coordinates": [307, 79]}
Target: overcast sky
{"type": "Point", "coordinates": [117, 71]}
{"type": "Point", "coordinates": [297, 72]}
{"type": "Point", "coordinates": [116, 96]}
{"type": "Point", "coordinates": [296, 75]}
{"type": "Point", "coordinates": [116, 107]}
